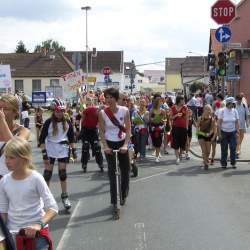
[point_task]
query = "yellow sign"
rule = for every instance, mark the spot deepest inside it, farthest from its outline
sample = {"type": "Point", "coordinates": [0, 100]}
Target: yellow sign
{"type": "Point", "coordinates": [91, 78]}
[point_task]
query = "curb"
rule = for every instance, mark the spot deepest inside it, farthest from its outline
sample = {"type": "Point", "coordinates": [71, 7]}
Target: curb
{"type": "Point", "coordinates": [216, 159]}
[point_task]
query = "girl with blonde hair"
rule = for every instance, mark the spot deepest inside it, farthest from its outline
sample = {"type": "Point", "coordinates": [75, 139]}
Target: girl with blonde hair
{"type": "Point", "coordinates": [9, 112]}
{"type": "Point", "coordinates": [21, 192]}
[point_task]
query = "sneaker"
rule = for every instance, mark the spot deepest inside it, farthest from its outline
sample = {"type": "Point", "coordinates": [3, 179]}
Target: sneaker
{"type": "Point", "coordinates": [224, 167]}
{"type": "Point", "coordinates": [212, 162]}
{"type": "Point", "coordinates": [206, 167]}
{"type": "Point", "coordinates": [84, 167]}
{"type": "Point", "coordinates": [153, 154]}
{"type": "Point", "coordinates": [123, 201]}
{"type": "Point", "coordinates": [157, 159]}
{"type": "Point", "coordinates": [233, 166]}
{"type": "Point", "coordinates": [237, 156]}
{"type": "Point", "coordinates": [187, 156]}
{"type": "Point", "coordinates": [165, 152]}
{"type": "Point", "coordinates": [116, 213]}
{"type": "Point", "coordinates": [160, 155]}
{"type": "Point", "coordinates": [101, 168]}
{"type": "Point", "coordinates": [177, 161]}
{"type": "Point", "coordinates": [65, 201]}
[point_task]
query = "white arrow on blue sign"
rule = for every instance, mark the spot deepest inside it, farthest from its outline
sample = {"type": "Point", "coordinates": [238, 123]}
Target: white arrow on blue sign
{"type": "Point", "coordinates": [223, 34]}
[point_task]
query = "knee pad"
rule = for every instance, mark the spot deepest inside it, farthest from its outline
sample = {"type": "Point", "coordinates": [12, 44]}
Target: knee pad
{"type": "Point", "coordinates": [47, 174]}
{"type": "Point", "coordinates": [62, 174]}
{"type": "Point", "coordinates": [85, 146]}
{"type": "Point", "coordinates": [97, 147]}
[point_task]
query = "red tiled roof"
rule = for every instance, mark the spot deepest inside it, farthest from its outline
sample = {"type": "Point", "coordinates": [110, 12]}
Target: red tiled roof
{"type": "Point", "coordinates": [36, 64]}
{"type": "Point", "coordinates": [113, 59]}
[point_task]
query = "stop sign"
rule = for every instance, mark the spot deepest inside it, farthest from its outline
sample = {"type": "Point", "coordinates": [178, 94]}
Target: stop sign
{"type": "Point", "coordinates": [223, 11]}
{"type": "Point", "coordinates": [106, 71]}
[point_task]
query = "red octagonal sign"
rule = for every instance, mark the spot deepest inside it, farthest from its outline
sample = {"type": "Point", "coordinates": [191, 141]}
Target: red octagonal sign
{"type": "Point", "coordinates": [106, 70]}
{"type": "Point", "coordinates": [223, 11]}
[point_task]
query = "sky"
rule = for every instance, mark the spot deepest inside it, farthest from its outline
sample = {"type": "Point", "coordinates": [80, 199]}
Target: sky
{"type": "Point", "coordinates": [147, 31]}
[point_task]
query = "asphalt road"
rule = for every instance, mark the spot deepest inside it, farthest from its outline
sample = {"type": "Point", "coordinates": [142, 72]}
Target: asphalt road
{"type": "Point", "coordinates": [169, 207]}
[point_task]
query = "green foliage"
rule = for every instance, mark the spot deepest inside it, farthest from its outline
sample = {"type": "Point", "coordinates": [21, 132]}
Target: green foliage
{"type": "Point", "coordinates": [195, 86]}
{"type": "Point", "coordinates": [20, 48]}
{"type": "Point", "coordinates": [49, 45]}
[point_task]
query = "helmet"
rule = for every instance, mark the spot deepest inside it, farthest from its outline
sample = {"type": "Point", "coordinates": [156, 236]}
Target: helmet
{"type": "Point", "coordinates": [58, 104]}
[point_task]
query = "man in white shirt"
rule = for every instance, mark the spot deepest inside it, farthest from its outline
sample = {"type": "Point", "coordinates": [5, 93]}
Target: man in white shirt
{"type": "Point", "coordinates": [228, 128]}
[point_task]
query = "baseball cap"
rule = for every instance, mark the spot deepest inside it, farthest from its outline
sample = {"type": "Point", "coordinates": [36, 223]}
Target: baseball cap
{"type": "Point", "coordinates": [230, 99]}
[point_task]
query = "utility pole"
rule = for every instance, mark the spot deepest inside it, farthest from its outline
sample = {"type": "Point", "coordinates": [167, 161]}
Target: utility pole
{"type": "Point", "coordinates": [86, 8]}
{"type": "Point", "coordinates": [132, 76]}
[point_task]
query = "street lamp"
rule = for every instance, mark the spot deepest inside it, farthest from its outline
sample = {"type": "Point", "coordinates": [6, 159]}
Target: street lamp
{"type": "Point", "coordinates": [86, 8]}
{"type": "Point", "coordinates": [182, 81]}
{"type": "Point", "coordinates": [204, 63]}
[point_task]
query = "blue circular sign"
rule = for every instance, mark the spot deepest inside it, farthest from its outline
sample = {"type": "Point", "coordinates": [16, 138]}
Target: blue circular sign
{"type": "Point", "coordinates": [223, 34]}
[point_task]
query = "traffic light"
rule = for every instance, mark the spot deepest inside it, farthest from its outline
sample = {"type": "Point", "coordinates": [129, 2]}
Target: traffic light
{"type": "Point", "coordinates": [222, 63]}
{"type": "Point", "coordinates": [211, 60]}
{"type": "Point", "coordinates": [237, 69]}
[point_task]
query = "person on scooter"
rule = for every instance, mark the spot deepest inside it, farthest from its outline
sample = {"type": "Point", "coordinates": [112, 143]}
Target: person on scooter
{"type": "Point", "coordinates": [115, 131]}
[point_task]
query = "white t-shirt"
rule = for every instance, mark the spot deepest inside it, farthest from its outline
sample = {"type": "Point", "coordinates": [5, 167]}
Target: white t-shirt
{"type": "Point", "coordinates": [112, 131]}
{"type": "Point", "coordinates": [3, 169]}
{"type": "Point", "coordinates": [228, 117]}
{"type": "Point", "coordinates": [52, 142]}
{"type": "Point", "coordinates": [25, 200]}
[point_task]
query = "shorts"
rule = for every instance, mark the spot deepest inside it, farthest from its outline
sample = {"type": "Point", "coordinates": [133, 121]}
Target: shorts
{"type": "Point", "coordinates": [63, 160]}
{"type": "Point", "coordinates": [200, 137]}
{"type": "Point", "coordinates": [179, 138]}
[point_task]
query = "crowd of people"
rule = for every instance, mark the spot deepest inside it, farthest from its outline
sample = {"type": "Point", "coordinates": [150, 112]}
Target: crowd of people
{"type": "Point", "coordinates": [104, 122]}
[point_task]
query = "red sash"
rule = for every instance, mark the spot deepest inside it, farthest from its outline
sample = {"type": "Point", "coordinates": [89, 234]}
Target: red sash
{"type": "Point", "coordinates": [113, 119]}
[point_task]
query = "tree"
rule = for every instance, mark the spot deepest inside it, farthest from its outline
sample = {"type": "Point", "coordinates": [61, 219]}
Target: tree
{"type": "Point", "coordinates": [195, 86]}
{"type": "Point", "coordinates": [49, 45]}
{"type": "Point", "coordinates": [20, 48]}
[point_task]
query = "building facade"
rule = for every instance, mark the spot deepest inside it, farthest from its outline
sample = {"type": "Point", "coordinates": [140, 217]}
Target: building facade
{"type": "Point", "coordinates": [240, 45]}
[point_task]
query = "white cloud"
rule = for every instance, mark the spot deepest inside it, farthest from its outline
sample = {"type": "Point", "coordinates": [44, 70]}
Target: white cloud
{"type": "Point", "coordinates": [146, 30]}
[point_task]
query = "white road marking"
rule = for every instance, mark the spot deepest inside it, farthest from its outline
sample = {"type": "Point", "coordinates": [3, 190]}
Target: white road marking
{"type": "Point", "coordinates": [140, 236]}
{"type": "Point", "coordinates": [67, 233]}
{"type": "Point", "coordinates": [150, 176]}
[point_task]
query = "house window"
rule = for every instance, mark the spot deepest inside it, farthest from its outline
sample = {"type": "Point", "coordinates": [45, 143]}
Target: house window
{"type": "Point", "coordinates": [139, 81]}
{"type": "Point", "coordinates": [18, 85]}
{"type": "Point", "coordinates": [54, 82]}
{"type": "Point", "coordinates": [36, 85]}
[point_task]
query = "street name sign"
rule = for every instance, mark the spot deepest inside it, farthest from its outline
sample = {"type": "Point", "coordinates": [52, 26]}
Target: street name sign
{"type": "Point", "coordinates": [38, 97]}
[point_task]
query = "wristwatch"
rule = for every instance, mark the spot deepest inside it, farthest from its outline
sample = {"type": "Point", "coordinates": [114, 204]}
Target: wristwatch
{"type": "Point", "coordinates": [42, 224]}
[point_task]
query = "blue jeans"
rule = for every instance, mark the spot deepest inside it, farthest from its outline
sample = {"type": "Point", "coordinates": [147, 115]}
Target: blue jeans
{"type": "Point", "coordinates": [141, 141]}
{"type": "Point", "coordinates": [228, 139]}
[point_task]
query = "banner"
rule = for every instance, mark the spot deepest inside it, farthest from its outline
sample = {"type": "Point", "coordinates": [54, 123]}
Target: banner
{"type": "Point", "coordinates": [72, 81]}
{"type": "Point", "coordinates": [5, 76]}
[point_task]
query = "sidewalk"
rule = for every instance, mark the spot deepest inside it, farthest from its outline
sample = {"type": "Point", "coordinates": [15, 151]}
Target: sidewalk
{"type": "Point", "coordinates": [245, 147]}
